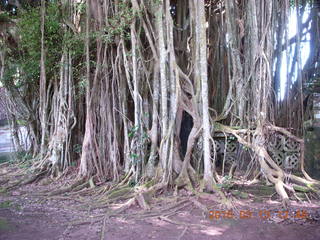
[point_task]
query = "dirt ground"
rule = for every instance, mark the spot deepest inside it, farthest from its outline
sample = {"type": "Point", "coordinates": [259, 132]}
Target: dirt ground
{"type": "Point", "coordinates": [26, 213]}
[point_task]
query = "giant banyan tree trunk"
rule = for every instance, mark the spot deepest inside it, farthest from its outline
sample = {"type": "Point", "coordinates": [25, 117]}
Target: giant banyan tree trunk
{"type": "Point", "coordinates": [161, 77]}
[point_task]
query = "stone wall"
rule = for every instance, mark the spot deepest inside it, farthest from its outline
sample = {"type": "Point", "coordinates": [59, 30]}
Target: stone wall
{"type": "Point", "coordinates": [312, 140]}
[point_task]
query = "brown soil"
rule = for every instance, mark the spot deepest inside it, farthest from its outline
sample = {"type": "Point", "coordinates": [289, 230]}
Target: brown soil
{"type": "Point", "coordinates": [26, 215]}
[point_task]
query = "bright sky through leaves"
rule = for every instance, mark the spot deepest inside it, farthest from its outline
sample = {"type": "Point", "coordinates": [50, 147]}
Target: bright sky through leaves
{"type": "Point", "coordinates": [305, 50]}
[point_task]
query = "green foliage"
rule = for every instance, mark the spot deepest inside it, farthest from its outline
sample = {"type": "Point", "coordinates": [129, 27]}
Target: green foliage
{"type": "Point", "coordinates": [312, 84]}
{"type": "Point", "coordinates": [30, 40]}
{"type": "Point", "coordinates": [9, 78]}
{"type": "Point", "coordinates": [23, 156]}
{"type": "Point", "coordinates": [81, 7]}
{"type": "Point", "coordinates": [132, 183]}
{"type": "Point", "coordinates": [245, 148]}
{"type": "Point", "coordinates": [133, 131]}
{"type": "Point", "coordinates": [74, 43]}
{"type": "Point", "coordinates": [4, 225]}
{"type": "Point", "coordinates": [3, 190]}
{"type": "Point", "coordinates": [157, 2]}
{"type": "Point", "coordinates": [240, 194]}
{"type": "Point", "coordinates": [81, 85]}
{"type": "Point", "coordinates": [73, 164]}
{"type": "Point", "coordinates": [119, 25]}
{"type": "Point", "coordinates": [6, 204]}
{"type": "Point", "coordinates": [24, 63]}
{"type": "Point", "coordinates": [227, 183]}
{"type": "Point", "coordinates": [9, 204]}
{"type": "Point", "coordinates": [29, 29]}
{"type": "Point", "coordinates": [24, 159]}
{"type": "Point", "coordinates": [4, 17]}
{"type": "Point", "coordinates": [4, 157]}
{"type": "Point", "coordinates": [77, 148]}
{"type": "Point", "coordinates": [232, 138]}
{"type": "Point", "coordinates": [134, 156]}
{"type": "Point", "coordinates": [22, 122]}
{"type": "Point", "coordinates": [300, 3]}
{"type": "Point", "coordinates": [134, 134]}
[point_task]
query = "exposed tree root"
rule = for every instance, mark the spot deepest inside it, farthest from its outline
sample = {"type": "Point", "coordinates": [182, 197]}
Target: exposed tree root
{"type": "Point", "coordinates": [303, 181]}
{"type": "Point", "coordinates": [29, 180]}
{"type": "Point", "coordinates": [77, 186]}
{"type": "Point", "coordinates": [142, 201]}
{"type": "Point", "coordinates": [165, 211]}
{"type": "Point", "coordinates": [119, 193]}
{"type": "Point", "coordinates": [183, 232]}
{"type": "Point", "coordinates": [166, 219]}
{"type": "Point", "coordinates": [103, 228]}
{"type": "Point", "coordinates": [123, 207]}
{"type": "Point", "coordinates": [161, 213]}
{"type": "Point", "coordinates": [4, 181]}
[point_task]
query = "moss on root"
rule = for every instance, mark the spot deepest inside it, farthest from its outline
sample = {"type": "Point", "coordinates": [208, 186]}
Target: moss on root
{"type": "Point", "coordinates": [122, 192]}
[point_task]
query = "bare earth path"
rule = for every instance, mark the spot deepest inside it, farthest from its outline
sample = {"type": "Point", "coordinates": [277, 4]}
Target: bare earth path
{"type": "Point", "coordinates": [25, 215]}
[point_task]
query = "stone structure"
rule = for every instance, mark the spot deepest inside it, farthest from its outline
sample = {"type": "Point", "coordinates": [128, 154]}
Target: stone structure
{"type": "Point", "coordinates": [284, 151]}
{"type": "Point", "coordinates": [312, 140]}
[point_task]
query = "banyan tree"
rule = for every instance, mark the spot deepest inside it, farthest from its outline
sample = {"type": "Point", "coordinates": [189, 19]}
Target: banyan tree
{"type": "Point", "coordinates": [173, 93]}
